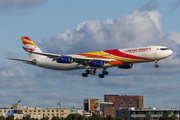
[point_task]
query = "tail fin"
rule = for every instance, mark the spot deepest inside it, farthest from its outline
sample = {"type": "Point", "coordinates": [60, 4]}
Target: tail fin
{"type": "Point", "coordinates": [28, 44]}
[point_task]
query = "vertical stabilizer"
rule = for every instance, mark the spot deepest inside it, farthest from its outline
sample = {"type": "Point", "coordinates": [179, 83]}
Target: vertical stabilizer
{"type": "Point", "coordinates": [28, 44]}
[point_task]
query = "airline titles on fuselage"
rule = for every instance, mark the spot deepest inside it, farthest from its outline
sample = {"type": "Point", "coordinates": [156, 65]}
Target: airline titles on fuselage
{"type": "Point", "coordinates": [138, 50]}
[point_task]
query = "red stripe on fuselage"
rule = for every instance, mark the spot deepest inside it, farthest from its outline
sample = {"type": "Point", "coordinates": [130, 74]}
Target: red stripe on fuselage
{"type": "Point", "coordinates": [116, 52]}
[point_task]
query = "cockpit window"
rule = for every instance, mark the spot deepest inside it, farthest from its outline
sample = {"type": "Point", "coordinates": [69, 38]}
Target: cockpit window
{"type": "Point", "coordinates": [164, 48]}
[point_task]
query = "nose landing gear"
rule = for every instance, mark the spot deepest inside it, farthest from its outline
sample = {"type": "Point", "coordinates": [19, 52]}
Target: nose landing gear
{"type": "Point", "coordinates": [156, 64]}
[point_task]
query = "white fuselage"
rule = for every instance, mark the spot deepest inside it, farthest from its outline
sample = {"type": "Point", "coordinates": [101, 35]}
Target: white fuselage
{"type": "Point", "coordinates": [130, 55]}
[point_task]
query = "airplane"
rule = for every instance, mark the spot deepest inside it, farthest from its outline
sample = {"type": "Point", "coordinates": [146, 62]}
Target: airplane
{"type": "Point", "coordinates": [121, 58]}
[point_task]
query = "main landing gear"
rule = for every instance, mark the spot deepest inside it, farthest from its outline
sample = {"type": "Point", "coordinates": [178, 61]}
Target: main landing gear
{"type": "Point", "coordinates": [93, 72]}
{"type": "Point", "coordinates": [156, 64]}
{"type": "Point", "coordinates": [104, 72]}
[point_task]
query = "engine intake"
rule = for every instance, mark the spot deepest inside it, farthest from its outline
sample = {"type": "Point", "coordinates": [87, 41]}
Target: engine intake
{"type": "Point", "coordinates": [126, 66]}
{"type": "Point", "coordinates": [97, 63]}
{"type": "Point", "coordinates": [64, 60]}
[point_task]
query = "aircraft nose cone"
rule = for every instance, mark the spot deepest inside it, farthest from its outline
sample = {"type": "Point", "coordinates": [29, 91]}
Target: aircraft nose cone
{"type": "Point", "coordinates": [170, 52]}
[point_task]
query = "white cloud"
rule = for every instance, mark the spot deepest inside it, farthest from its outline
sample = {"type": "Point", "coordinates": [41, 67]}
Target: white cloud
{"type": "Point", "coordinates": [133, 30]}
{"type": "Point", "coordinates": [13, 76]}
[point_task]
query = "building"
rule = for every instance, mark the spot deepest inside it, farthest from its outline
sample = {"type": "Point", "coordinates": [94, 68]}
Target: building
{"type": "Point", "coordinates": [16, 111]}
{"type": "Point", "coordinates": [124, 101]}
{"type": "Point", "coordinates": [156, 114]}
{"type": "Point", "coordinates": [49, 112]}
{"type": "Point", "coordinates": [107, 108]}
{"type": "Point", "coordinates": [4, 111]}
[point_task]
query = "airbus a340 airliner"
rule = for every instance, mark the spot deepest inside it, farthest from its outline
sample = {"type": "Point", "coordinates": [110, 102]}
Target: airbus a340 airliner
{"type": "Point", "coordinates": [121, 58]}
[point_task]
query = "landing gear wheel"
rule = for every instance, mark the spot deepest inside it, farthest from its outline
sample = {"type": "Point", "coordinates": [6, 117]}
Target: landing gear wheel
{"type": "Point", "coordinates": [105, 72]}
{"type": "Point", "coordinates": [156, 66]}
{"type": "Point", "coordinates": [84, 75]}
{"type": "Point", "coordinates": [87, 71]}
{"type": "Point", "coordinates": [101, 76]}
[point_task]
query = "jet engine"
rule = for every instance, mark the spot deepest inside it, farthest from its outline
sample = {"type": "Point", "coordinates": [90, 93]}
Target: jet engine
{"type": "Point", "coordinates": [126, 66]}
{"type": "Point", "coordinates": [97, 63]}
{"type": "Point", "coordinates": [64, 60]}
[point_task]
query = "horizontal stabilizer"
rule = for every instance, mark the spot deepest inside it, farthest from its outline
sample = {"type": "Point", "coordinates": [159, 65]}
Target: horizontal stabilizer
{"type": "Point", "coordinates": [25, 61]}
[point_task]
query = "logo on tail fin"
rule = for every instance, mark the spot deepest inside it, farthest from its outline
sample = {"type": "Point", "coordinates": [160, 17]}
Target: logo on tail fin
{"type": "Point", "coordinates": [29, 49]}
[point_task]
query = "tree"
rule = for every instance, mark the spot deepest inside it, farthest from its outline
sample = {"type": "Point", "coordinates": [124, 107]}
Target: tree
{"type": "Point", "coordinates": [55, 118]}
{"type": "Point", "coordinates": [109, 117]}
{"type": "Point", "coordinates": [173, 117]}
{"type": "Point", "coordinates": [2, 117]}
{"type": "Point", "coordinates": [165, 116]}
{"type": "Point", "coordinates": [95, 117]}
{"type": "Point", "coordinates": [121, 118]}
{"type": "Point", "coordinates": [10, 117]}
{"type": "Point", "coordinates": [26, 117]}
{"type": "Point", "coordinates": [147, 117]}
{"type": "Point", "coordinates": [75, 117]}
{"type": "Point", "coordinates": [45, 118]}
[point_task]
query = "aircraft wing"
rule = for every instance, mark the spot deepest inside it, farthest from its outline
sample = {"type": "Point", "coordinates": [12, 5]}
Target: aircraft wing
{"type": "Point", "coordinates": [78, 59]}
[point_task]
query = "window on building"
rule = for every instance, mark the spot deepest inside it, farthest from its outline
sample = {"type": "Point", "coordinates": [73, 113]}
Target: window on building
{"type": "Point", "coordinates": [134, 99]}
{"type": "Point", "coordinates": [0, 111]}
{"type": "Point", "coordinates": [43, 110]}
{"type": "Point", "coordinates": [152, 112]}
{"type": "Point", "coordinates": [117, 99]}
{"type": "Point", "coordinates": [134, 102]}
{"type": "Point", "coordinates": [48, 114]}
{"type": "Point", "coordinates": [52, 114]}
{"type": "Point", "coordinates": [121, 99]}
{"type": "Point", "coordinates": [57, 114]}
{"type": "Point", "coordinates": [159, 112]}
{"type": "Point", "coordinates": [4, 110]}
{"type": "Point", "coordinates": [39, 111]}
{"type": "Point", "coordinates": [34, 113]}
{"type": "Point", "coordinates": [133, 112]}
{"type": "Point", "coordinates": [25, 110]}
{"type": "Point", "coordinates": [170, 112]}
{"type": "Point", "coordinates": [140, 112]}
{"type": "Point", "coordinates": [56, 110]}
{"type": "Point", "coordinates": [29, 110]}
{"type": "Point", "coordinates": [47, 110]}
{"type": "Point", "coordinates": [123, 105]}
{"type": "Point", "coordinates": [52, 110]}
{"type": "Point", "coordinates": [176, 112]}
{"type": "Point", "coordinates": [34, 110]}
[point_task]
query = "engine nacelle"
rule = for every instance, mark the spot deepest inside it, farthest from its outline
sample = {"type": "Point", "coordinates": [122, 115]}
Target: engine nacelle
{"type": "Point", "coordinates": [126, 66]}
{"type": "Point", "coordinates": [64, 60]}
{"type": "Point", "coordinates": [97, 63]}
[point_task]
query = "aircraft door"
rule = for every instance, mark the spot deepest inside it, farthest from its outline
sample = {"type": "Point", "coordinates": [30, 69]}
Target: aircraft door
{"type": "Point", "coordinates": [154, 52]}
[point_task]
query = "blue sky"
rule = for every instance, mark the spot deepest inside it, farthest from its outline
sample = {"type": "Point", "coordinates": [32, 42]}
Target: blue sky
{"type": "Point", "coordinates": [65, 27]}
